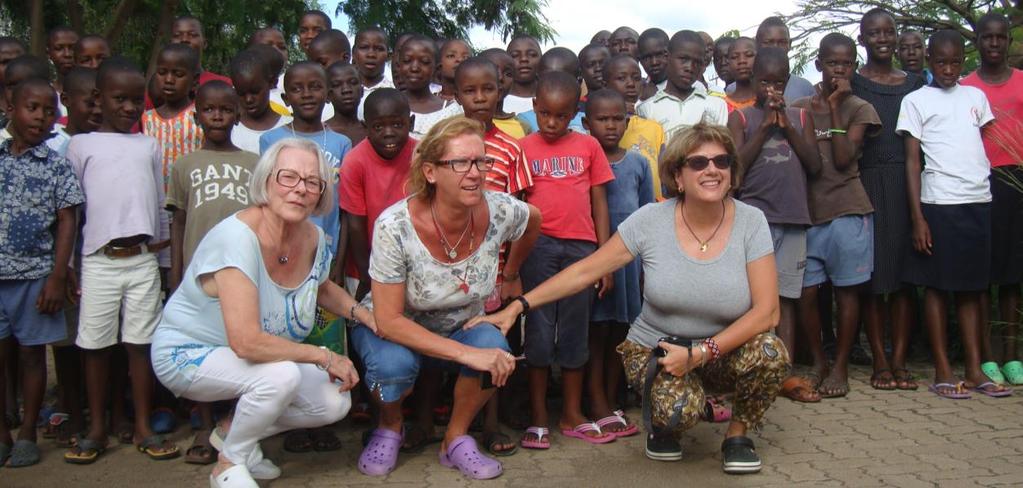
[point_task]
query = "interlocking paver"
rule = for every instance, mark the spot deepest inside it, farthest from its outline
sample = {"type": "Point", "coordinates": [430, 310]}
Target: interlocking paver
{"type": "Point", "coordinates": [869, 439]}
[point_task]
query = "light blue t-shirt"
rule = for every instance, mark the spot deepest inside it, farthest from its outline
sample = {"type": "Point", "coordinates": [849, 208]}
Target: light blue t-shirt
{"type": "Point", "coordinates": [575, 124]}
{"type": "Point", "coordinates": [334, 146]}
{"type": "Point", "coordinates": [193, 322]}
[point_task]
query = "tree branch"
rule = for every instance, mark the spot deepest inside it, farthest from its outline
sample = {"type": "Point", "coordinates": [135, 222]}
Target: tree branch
{"type": "Point", "coordinates": [121, 15]}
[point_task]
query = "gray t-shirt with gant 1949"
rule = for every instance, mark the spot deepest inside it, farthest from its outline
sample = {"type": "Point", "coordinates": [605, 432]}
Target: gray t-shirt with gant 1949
{"type": "Point", "coordinates": [684, 296]}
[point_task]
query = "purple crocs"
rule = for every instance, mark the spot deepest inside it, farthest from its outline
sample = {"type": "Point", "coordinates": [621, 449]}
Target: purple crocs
{"type": "Point", "coordinates": [464, 455]}
{"type": "Point", "coordinates": [380, 455]}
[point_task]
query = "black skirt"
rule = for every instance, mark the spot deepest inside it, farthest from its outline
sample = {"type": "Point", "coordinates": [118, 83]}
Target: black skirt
{"type": "Point", "coordinates": [960, 257]}
{"type": "Point", "coordinates": [886, 186]}
{"type": "Point", "coordinates": [1007, 225]}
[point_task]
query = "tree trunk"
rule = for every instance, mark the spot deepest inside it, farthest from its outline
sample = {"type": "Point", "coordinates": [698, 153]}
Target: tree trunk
{"type": "Point", "coordinates": [74, 11]}
{"type": "Point", "coordinates": [167, 10]}
{"type": "Point", "coordinates": [121, 15]}
{"type": "Point", "coordinates": [37, 29]}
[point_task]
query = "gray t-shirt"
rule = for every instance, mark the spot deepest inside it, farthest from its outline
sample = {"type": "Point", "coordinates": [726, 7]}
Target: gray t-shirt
{"type": "Point", "coordinates": [684, 296]}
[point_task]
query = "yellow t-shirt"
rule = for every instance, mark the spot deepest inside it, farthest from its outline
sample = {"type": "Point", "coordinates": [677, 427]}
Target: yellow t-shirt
{"type": "Point", "coordinates": [512, 126]}
{"type": "Point", "coordinates": [647, 138]}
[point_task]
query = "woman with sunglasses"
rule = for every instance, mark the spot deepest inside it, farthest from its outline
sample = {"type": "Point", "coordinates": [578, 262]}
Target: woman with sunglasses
{"type": "Point", "coordinates": [434, 262]}
{"type": "Point", "coordinates": [710, 290]}
{"type": "Point", "coordinates": [234, 327]}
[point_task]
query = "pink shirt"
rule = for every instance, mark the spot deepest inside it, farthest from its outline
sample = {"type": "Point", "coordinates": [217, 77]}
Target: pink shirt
{"type": "Point", "coordinates": [1003, 139]}
{"type": "Point", "coordinates": [369, 184]}
{"type": "Point", "coordinates": [121, 177]}
{"type": "Point", "coordinates": [563, 173]}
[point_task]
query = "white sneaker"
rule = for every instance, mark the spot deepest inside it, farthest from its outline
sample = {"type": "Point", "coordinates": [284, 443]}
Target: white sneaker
{"type": "Point", "coordinates": [236, 476]}
{"type": "Point", "coordinates": [265, 470]}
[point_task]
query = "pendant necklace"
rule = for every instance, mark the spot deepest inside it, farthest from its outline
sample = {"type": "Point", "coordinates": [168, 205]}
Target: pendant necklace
{"type": "Point", "coordinates": [703, 243]}
{"type": "Point", "coordinates": [465, 276]}
{"type": "Point", "coordinates": [451, 251]}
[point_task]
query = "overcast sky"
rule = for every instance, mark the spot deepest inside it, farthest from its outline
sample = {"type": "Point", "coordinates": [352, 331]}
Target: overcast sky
{"type": "Point", "coordinates": [577, 20]}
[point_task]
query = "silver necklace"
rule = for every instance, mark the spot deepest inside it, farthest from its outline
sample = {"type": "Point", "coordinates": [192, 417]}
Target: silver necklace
{"type": "Point", "coordinates": [451, 251]}
{"type": "Point", "coordinates": [323, 144]}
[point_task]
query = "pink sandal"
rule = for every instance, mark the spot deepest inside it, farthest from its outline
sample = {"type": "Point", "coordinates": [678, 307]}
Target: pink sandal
{"type": "Point", "coordinates": [542, 441]}
{"type": "Point", "coordinates": [579, 432]}
{"type": "Point", "coordinates": [618, 417]}
{"type": "Point", "coordinates": [464, 455]}
{"type": "Point", "coordinates": [716, 411]}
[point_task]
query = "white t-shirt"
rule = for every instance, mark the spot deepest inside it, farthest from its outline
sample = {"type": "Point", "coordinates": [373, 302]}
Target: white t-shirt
{"type": "Point", "coordinates": [248, 139]}
{"type": "Point", "coordinates": [366, 90]}
{"type": "Point", "coordinates": [424, 122]}
{"type": "Point", "coordinates": [515, 104]}
{"type": "Point", "coordinates": [948, 123]}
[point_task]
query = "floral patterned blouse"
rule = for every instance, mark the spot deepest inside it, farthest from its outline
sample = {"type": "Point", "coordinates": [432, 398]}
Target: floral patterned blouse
{"type": "Point", "coordinates": [441, 296]}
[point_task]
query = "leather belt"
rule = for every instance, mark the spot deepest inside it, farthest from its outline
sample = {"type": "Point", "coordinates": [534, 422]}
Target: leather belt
{"type": "Point", "coordinates": [127, 252]}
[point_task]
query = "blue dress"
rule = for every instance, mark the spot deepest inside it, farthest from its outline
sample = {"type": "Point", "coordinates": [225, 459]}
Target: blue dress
{"type": "Point", "coordinates": [632, 188]}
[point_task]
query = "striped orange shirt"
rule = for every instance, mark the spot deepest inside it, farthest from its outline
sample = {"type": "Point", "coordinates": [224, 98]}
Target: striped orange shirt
{"type": "Point", "coordinates": [178, 136]}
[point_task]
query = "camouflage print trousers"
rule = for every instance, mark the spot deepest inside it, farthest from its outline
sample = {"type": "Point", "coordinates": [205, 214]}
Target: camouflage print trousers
{"type": "Point", "coordinates": [754, 372]}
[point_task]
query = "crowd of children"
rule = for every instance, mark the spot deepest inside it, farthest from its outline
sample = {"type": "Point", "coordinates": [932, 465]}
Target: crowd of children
{"type": "Point", "coordinates": [884, 179]}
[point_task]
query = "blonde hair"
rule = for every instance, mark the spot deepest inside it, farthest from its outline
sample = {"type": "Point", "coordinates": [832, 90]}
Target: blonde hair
{"type": "Point", "coordinates": [687, 141]}
{"type": "Point", "coordinates": [434, 145]}
{"type": "Point", "coordinates": [264, 170]}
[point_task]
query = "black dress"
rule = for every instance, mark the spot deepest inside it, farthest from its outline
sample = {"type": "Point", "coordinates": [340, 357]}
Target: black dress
{"type": "Point", "coordinates": [883, 173]}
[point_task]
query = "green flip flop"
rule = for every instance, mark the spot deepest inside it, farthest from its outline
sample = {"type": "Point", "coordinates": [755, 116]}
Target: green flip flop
{"type": "Point", "coordinates": [1013, 371]}
{"type": "Point", "coordinates": [990, 369]}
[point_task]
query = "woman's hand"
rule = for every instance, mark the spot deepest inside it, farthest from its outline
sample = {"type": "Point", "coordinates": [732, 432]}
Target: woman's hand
{"type": "Point", "coordinates": [498, 362]}
{"type": "Point", "coordinates": [503, 319]}
{"type": "Point", "coordinates": [341, 368]}
{"type": "Point", "coordinates": [679, 360]}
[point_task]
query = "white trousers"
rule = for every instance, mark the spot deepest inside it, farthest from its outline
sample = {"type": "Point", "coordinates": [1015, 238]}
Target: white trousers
{"type": "Point", "coordinates": [272, 398]}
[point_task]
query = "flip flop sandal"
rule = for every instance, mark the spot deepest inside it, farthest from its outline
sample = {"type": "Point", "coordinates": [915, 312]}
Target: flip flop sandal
{"type": "Point", "coordinates": [380, 455]}
{"type": "Point", "coordinates": [988, 388]}
{"type": "Point", "coordinates": [86, 452]}
{"type": "Point", "coordinates": [579, 432]}
{"type": "Point", "coordinates": [493, 439]}
{"type": "Point", "coordinates": [903, 375]}
{"type": "Point", "coordinates": [53, 425]}
{"type": "Point", "coordinates": [464, 455]}
{"type": "Point", "coordinates": [415, 438]}
{"type": "Point", "coordinates": [875, 380]}
{"type": "Point", "coordinates": [618, 417]}
{"type": "Point", "coordinates": [298, 441]}
{"type": "Point", "coordinates": [25, 453]}
{"type": "Point", "coordinates": [126, 433]}
{"type": "Point", "coordinates": [799, 389]}
{"type": "Point", "coordinates": [150, 446]}
{"type": "Point", "coordinates": [717, 412]}
{"type": "Point", "coordinates": [992, 371]}
{"type": "Point", "coordinates": [324, 440]}
{"type": "Point", "coordinates": [542, 441]}
{"type": "Point", "coordinates": [360, 413]}
{"type": "Point", "coordinates": [1013, 371]}
{"type": "Point", "coordinates": [958, 391]}
{"type": "Point", "coordinates": [201, 452]}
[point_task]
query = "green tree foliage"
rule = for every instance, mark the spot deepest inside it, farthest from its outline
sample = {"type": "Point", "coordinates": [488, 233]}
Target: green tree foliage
{"type": "Point", "coordinates": [450, 18]}
{"type": "Point", "coordinates": [137, 28]}
{"type": "Point", "coordinates": [816, 17]}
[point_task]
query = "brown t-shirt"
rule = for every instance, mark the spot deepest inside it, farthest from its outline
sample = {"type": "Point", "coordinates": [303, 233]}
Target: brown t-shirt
{"type": "Point", "coordinates": [834, 193]}
{"type": "Point", "coordinates": [209, 186]}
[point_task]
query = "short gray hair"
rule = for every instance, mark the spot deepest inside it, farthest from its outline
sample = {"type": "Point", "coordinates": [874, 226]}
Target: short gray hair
{"type": "Point", "coordinates": [268, 161]}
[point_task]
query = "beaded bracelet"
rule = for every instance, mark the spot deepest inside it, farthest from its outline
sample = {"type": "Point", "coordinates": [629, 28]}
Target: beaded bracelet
{"type": "Point", "coordinates": [715, 351]}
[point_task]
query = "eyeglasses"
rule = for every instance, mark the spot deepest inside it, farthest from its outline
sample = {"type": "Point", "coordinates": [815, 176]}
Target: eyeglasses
{"type": "Point", "coordinates": [700, 163]}
{"type": "Point", "coordinates": [291, 179]}
{"type": "Point", "coordinates": [464, 165]}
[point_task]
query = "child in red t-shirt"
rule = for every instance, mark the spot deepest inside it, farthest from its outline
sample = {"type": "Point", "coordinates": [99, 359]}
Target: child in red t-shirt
{"type": "Point", "coordinates": [569, 172]}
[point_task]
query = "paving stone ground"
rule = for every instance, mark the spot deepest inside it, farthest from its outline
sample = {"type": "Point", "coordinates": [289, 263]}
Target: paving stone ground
{"type": "Point", "coordinates": [870, 438]}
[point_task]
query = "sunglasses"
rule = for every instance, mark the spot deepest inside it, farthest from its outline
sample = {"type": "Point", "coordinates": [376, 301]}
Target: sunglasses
{"type": "Point", "coordinates": [700, 163]}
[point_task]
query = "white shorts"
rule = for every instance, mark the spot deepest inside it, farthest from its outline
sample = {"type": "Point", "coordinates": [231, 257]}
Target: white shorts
{"type": "Point", "coordinates": [107, 283]}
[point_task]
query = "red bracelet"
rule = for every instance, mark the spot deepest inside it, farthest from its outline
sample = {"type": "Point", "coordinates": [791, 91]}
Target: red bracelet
{"type": "Point", "coordinates": [715, 351]}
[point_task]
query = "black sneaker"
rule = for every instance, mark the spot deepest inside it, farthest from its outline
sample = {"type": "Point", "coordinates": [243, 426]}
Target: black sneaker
{"type": "Point", "coordinates": [663, 447]}
{"type": "Point", "coordinates": [739, 456]}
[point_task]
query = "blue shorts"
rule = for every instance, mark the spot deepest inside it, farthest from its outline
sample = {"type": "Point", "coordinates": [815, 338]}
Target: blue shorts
{"type": "Point", "coordinates": [557, 333]}
{"type": "Point", "coordinates": [19, 317]}
{"type": "Point", "coordinates": [392, 368]}
{"type": "Point", "coordinates": [840, 251]}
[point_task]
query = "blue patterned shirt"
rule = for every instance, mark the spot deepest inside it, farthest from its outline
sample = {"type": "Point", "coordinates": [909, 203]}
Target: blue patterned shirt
{"type": "Point", "coordinates": [33, 186]}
